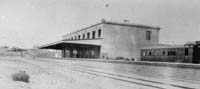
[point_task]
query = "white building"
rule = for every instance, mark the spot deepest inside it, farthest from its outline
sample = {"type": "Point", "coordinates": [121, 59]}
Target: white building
{"type": "Point", "coordinates": [107, 39]}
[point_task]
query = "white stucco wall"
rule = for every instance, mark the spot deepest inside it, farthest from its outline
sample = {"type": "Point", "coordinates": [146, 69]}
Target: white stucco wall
{"type": "Point", "coordinates": [126, 41]}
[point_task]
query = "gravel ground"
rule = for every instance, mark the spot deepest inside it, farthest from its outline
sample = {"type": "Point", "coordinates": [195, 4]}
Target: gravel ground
{"type": "Point", "coordinates": [54, 76]}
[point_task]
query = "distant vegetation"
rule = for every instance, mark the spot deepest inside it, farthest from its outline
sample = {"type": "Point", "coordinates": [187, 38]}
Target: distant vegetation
{"type": "Point", "coordinates": [42, 53]}
{"type": "Point", "coordinates": [122, 58]}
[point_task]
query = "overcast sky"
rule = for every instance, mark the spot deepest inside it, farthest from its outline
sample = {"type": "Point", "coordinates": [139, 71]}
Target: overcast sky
{"type": "Point", "coordinates": [28, 23]}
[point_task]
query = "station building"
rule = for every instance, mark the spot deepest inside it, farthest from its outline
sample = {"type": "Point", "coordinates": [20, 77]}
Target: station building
{"type": "Point", "coordinates": [107, 39]}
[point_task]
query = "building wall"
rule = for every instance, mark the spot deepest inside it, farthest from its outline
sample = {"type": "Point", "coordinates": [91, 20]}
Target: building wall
{"type": "Point", "coordinates": [85, 31]}
{"type": "Point", "coordinates": [117, 40]}
{"type": "Point", "coordinates": [126, 41]}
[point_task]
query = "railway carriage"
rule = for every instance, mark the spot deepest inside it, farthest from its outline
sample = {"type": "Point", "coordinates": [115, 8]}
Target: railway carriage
{"type": "Point", "coordinates": [187, 53]}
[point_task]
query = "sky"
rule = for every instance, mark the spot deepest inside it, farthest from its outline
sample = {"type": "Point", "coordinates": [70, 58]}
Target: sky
{"type": "Point", "coordinates": [28, 23]}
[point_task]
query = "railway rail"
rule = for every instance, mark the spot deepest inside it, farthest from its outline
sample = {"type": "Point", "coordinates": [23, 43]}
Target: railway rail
{"type": "Point", "coordinates": [118, 77]}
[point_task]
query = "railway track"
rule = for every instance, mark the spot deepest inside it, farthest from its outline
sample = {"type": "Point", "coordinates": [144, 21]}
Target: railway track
{"type": "Point", "coordinates": [133, 80]}
{"type": "Point", "coordinates": [118, 77]}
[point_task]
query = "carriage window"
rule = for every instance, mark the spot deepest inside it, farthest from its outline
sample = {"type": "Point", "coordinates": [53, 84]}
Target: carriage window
{"type": "Point", "coordinates": [163, 53]}
{"type": "Point", "coordinates": [153, 53]}
{"type": "Point", "coordinates": [144, 53]}
{"type": "Point", "coordinates": [157, 52]}
{"type": "Point", "coordinates": [169, 53]}
{"type": "Point", "coordinates": [186, 51]}
{"type": "Point", "coordinates": [174, 53]}
{"type": "Point", "coordinates": [149, 53]}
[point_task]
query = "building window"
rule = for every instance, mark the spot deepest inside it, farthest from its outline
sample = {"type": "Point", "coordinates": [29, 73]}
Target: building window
{"type": "Point", "coordinates": [79, 37]}
{"type": "Point", "coordinates": [148, 35]}
{"type": "Point", "coordinates": [71, 38]}
{"type": "Point", "coordinates": [93, 34]}
{"type": "Point", "coordinates": [99, 33]}
{"type": "Point", "coordinates": [74, 37]}
{"type": "Point", "coordinates": [83, 36]}
{"type": "Point", "coordinates": [186, 52]}
{"type": "Point", "coordinates": [88, 35]}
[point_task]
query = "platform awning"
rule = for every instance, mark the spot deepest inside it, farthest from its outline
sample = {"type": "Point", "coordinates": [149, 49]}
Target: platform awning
{"type": "Point", "coordinates": [64, 44]}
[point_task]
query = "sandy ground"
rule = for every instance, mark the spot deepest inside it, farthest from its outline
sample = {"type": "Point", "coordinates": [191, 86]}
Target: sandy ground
{"type": "Point", "coordinates": [52, 76]}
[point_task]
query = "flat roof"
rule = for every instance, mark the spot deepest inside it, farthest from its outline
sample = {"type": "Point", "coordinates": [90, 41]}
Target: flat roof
{"type": "Point", "coordinates": [117, 23]}
{"type": "Point", "coordinates": [66, 42]}
{"type": "Point", "coordinates": [163, 46]}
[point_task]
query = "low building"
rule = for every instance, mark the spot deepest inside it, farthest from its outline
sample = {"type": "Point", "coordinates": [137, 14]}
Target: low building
{"type": "Point", "coordinates": [107, 39]}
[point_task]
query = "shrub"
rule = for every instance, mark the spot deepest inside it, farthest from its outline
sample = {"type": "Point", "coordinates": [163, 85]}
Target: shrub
{"type": "Point", "coordinates": [132, 59]}
{"type": "Point", "coordinates": [127, 59]}
{"type": "Point", "coordinates": [21, 76]}
{"type": "Point", "coordinates": [119, 58]}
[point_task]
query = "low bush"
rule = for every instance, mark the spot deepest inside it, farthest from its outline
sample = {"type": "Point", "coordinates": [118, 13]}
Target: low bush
{"type": "Point", "coordinates": [132, 59]}
{"type": "Point", "coordinates": [119, 58]}
{"type": "Point", "coordinates": [127, 59]}
{"type": "Point", "coordinates": [21, 76]}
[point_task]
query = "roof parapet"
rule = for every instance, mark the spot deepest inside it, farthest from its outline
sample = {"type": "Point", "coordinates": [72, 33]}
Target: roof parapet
{"type": "Point", "coordinates": [131, 24]}
{"type": "Point", "coordinates": [117, 23]}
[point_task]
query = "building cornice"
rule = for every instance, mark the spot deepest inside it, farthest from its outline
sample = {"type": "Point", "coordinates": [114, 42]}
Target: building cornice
{"type": "Point", "coordinates": [116, 23]}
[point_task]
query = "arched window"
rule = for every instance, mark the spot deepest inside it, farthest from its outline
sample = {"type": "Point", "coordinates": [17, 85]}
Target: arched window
{"type": "Point", "coordinates": [93, 34]}
{"type": "Point", "coordinates": [83, 36]}
{"type": "Point", "coordinates": [88, 35]}
{"type": "Point", "coordinates": [79, 37]}
{"type": "Point", "coordinates": [99, 33]}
